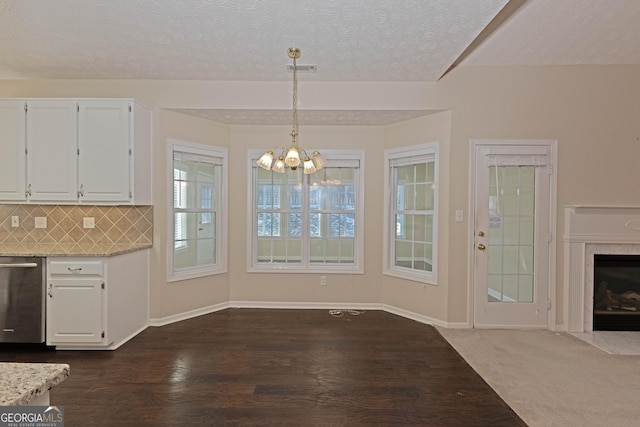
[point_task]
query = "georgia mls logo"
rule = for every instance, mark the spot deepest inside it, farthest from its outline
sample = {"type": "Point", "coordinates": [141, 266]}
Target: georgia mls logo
{"type": "Point", "coordinates": [32, 416]}
{"type": "Point", "coordinates": [55, 411]}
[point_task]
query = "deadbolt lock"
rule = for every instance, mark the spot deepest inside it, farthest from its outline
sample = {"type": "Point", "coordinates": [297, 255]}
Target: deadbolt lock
{"type": "Point", "coordinates": [481, 233]}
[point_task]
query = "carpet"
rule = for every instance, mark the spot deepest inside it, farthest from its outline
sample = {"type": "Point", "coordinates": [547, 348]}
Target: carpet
{"type": "Point", "coordinates": [553, 379]}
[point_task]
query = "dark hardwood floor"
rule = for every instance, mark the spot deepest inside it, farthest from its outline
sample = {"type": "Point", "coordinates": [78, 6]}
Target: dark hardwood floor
{"type": "Point", "coordinates": [252, 367]}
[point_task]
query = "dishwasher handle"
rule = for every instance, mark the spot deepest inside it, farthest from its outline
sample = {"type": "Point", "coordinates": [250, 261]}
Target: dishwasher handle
{"type": "Point", "coordinates": [19, 265]}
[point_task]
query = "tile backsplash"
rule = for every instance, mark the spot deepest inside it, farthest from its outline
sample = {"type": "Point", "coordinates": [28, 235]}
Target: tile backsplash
{"type": "Point", "coordinates": [114, 225]}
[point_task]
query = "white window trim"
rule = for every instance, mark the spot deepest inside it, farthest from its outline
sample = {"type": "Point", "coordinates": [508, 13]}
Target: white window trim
{"type": "Point", "coordinates": [389, 269]}
{"type": "Point", "coordinates": [356, 268]}
{"type": "Point", "coordinates": [221, 223]}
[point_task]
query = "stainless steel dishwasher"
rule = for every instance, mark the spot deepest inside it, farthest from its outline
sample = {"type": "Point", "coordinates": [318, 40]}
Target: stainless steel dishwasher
{"type": "Point", "coordinates": [22, 299]}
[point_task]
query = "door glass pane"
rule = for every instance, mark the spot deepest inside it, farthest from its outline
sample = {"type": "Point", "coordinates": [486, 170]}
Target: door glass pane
{"type": "Point", "coordinates": [509, 288]}
{"type": "Point", "coordinates": [511, 233]}
{"type": "Point", "coordinates": [495, 288]}
{"type": "Point", "coordinates": [525, 288]}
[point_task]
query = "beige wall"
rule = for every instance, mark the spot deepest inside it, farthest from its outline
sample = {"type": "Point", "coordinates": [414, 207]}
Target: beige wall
{"type": "Point", "coordinates": [426, 300]}
{"type": "Point", "coordinates": [173, 298]}
{"type": "Point", "coordinates": [593, 112]}
{"type": "Point", "coordinates": [341, 288]}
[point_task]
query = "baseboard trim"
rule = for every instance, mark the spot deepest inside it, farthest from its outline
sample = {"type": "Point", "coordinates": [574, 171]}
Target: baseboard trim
{"type": "Point", "coordinates": [115, 345]}
{"type": "Point", "coordinates": [188, 314]}
{"type": "Point", "coordinates": [307, 306]}
{"type": "Point", "coordinates": [458, 325]}
{"type": "Point", "coordinates": [413, 316]}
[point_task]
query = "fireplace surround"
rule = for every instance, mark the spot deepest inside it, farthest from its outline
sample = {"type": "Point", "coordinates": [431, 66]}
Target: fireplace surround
{"type": "Point", "coordinates": [591, 230]}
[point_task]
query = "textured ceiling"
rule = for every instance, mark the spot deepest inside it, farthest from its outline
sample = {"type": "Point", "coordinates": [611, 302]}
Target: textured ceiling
{"type": "Point", "coordinates": [237, 39]}
{"type": "Point", "coordinates": [565, 32]}
{"type": "Point", "coordinates": [348, 40]}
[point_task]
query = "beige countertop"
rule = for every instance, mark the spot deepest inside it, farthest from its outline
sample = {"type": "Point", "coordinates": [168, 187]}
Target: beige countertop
{"type": "Point", "coordinates": [69, 249]}
{"type": "Point", "coordinates": [20, 383]}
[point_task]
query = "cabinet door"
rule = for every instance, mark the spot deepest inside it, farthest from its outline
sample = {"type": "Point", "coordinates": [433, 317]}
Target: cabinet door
{"type": "Point", "coordinates": [104, 156]}
{"type": "Point", "coordinates": [52, 144]}
{"type": "Point", "coordinates": [12, 147]}
{"type": "Point", "coordinates": [75, 311]}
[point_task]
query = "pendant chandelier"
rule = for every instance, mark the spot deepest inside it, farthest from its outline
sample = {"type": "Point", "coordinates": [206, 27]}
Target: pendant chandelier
{"type": "Point", "coordinates": [294, 155]}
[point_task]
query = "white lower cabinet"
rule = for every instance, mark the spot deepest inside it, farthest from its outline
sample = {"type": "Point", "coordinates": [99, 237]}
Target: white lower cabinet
{"type": "Point", "coordinates": [76, 302]}
{"type": "Point", "coordinates": [96, 302]}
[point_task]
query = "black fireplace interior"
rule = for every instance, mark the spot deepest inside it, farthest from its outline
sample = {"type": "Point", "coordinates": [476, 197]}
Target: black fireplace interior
{"type": "Point", "coordinates": [616, 296]}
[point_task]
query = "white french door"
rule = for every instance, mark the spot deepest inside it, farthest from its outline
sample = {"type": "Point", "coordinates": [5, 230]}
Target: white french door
{"type": "Point", "coordinates": [512, 236]}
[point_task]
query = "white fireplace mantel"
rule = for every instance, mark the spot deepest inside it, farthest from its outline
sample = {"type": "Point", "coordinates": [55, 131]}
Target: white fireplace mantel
{"type": "Point", "coordinates": [591, 230]}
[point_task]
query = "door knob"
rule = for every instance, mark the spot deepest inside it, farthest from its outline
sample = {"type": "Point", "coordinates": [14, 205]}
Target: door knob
{"type": "Point", "coordinates": [481, 247]}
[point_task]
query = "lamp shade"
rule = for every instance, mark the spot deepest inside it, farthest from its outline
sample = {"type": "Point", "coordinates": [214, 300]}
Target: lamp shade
{"type": "Point", "coordinates": [293, 158]}
{"type": "Point", "coordinates": [278, 166]}
{"type": "Point", "coordinates": [265, 161]}
{"type": "Point", "coordinates": [309, 167]}
{"type": "Point", "coordinates": [319, 160]}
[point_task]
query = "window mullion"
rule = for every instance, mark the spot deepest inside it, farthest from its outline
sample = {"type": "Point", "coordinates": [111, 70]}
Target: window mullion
{"type": "Point", "coordinates": [305, 235]}
{"type": "Point", "coordinates": [393, 231]}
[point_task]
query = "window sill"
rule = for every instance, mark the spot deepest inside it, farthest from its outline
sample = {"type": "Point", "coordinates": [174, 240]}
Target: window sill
{"type": "Point", "coordinates": [423, 278]}
{"type": "Point", "coordinates": [305, 270]}
{"type": "Point", "coordinates": [195, 273]}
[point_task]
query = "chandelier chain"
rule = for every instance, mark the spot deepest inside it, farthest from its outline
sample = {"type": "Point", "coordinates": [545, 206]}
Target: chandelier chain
{"type": "Point", "coordinates": [294, 132]}
{"type": "Point", "coordinates": [293, 157]}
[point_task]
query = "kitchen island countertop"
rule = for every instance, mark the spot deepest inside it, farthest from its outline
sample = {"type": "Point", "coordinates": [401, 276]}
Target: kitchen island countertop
{"type": "Point", "coordinates": [21, 383]}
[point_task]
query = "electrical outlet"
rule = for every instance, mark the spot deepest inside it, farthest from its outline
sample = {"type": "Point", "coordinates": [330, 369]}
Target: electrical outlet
{"type": "Point", "coordinates": [88, 222]}
{"type": "Point", "coordinates": [323, 280]}
{"type": "Point", "coordinates": [15, 221]}
{"type": "Point", "coordinates": [41, 222]}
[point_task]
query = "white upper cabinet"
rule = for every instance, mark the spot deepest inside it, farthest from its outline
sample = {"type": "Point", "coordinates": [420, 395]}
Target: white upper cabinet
{"type": "Point", "coordinates": [95, 151]}
{"type": "Point", "coordinates": [52, 135]}
{"type": "Point", "coordinates": [104, 151]}
{"type": "Point", "coordinates": [12, 148]}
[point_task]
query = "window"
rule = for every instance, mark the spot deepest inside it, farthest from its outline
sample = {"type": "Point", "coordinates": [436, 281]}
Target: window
{"type": "Point", "coordinates": [310, 223]}
{"type": "Point", "coordinates": [411, 189]}
{"type": "Point", "coordinates": [198, 210]}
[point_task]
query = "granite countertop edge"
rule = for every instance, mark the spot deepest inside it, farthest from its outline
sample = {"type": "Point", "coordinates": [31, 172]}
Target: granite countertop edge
{"type": "Point", "coordinates": [21, 383]}
{"type": "Point", "coordinates": [70, 250]}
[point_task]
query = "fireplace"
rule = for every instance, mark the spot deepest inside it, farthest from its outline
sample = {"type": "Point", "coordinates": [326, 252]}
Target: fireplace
{"type": "Point", "coordinates": [616, 297]}
{"type": "Point", "coordinates": [591, 232]}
